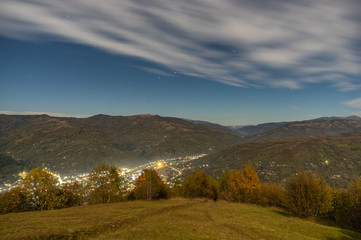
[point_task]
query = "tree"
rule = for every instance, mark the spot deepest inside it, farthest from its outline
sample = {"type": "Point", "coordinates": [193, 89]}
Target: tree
{"type": "Point", "coordinates": [42, 189]}
{"type": "Point", "coordinates": [14, 200]}
{"type": "Point", "coordinates": [39, 190]}
{"type": "Point", "coordinates": [355, 207]}
{"type": "Point", "coordinates": [249, 179]}
{"type": "Point", "coordinates": [235, 186]}
{"type": "Point", "coordinates": [224, 185]}
{"type": "Point", "coordinates": [150, 186]}
{"type": "Point", "coordinates": [307, 195]}
{"type": "Point", "coordinates": [271, 194]}
{"type": "Point", "coordinates": [198, 185]}
{"type": "Point", "coordinates": [347, 205]}
{"type": "Point", "coordinates": [230, 185]}
{"type": "Point", "coordinates": [71, 195]}
{"type": "Point", "coordinates": [104, 185]}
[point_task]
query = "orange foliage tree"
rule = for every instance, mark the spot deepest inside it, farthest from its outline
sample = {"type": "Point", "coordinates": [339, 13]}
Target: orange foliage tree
{"type": "Point", "coordinates": [250, 184]}
{"type": "Point", "coordinates": [150, 186]}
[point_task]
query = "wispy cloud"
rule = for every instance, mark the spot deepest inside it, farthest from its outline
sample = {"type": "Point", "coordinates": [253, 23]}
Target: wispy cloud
{"type": "Point", "coordinates": [356, 103]}
{"type": "Point", "coordinates": [47, 113]}
{"type": "Point", "coordinates": [155, 71]}
{"type": "Point", "coordinates": [232, 42]}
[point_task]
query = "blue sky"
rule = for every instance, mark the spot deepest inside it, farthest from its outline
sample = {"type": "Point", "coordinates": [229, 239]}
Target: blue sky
{"type": "Point", "coordinates": [228, 62]}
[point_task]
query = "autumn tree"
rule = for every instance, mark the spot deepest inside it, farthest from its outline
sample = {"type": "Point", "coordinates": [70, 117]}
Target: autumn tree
{"type": "Point", "coordinates": [307, 196]}
{"type": "Point", "coordinates": [224, 185]}
{"type": "Point", "coordinates": [235, 193]}
{"type": "Point", "coordinates": [355, 206]}
{"type": "Point", "coordinates": [230, 185]}
{"type": "Point", "coordinates": [72, 194]}
{"type": "Point", "coordinates": [41, 187]}
{"type": "Point", "coordinates": [104, 184]}
{"type": "Point", "coordinates": [347, 205]}
{"type": "Point", "coordinates": [271, 194]}
{"type": "Point", "coordinates": [14, 200]}
{"type": "Point", "coordinates": [39, 190]}
{"type": "Point", "coordinates": [249, 184]}
{"type": "Point", "coordinates": [199, 185]}
{"type": "Point", "coordinates": [150, 186]}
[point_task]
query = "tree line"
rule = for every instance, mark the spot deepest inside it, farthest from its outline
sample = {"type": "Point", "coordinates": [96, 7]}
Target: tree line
{"type": "Point", "coordinates": [304, 194]}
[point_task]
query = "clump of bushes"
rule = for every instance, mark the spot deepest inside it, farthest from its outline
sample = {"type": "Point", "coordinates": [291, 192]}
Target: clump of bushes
{"type": "Point", "coordinates": [346, 205]}
{"type": "Point", "coordinates": [39, 190]}
{"type": "Point", "coordinates": [304, 195]}
{"type": "Point", "coordinates": [271, 194]}
{"type": "Point", "coordinates": [240, 187]}
{"type": "Point", "coordinates": [199, 185]}
{"type": "Point", "coordinates": [307, 196]}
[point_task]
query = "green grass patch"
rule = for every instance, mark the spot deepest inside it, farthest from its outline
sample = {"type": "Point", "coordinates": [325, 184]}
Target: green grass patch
{"type": "Point", "coordinates": [171, 219]}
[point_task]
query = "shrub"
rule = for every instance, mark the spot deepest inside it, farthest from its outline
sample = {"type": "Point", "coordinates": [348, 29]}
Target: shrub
{"type": "Point", "coordinates": [271, 194]}
{"type": "Point", "coordinates": [347, 205]}
{"type": "Point", "coordinates": [307, 195]}
{"type": "Point", "coordinates": [199, 185]}
{"type": "Point", "coordinates": [14, 200]}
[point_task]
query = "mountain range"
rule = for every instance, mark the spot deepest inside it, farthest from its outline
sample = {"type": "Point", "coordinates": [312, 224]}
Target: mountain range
{"type": "Point", "coordinates": [336, 159]}
{"type": "Point", "coordinates": [329, 146]}
{"type": "Point", "coordinates": [78, 144]}
{"type": "Point", "coordinates": [326, 126]}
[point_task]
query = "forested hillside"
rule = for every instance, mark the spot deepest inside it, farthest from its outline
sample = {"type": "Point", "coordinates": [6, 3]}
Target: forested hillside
{"type": "Point", "coordinates": [78, 144]}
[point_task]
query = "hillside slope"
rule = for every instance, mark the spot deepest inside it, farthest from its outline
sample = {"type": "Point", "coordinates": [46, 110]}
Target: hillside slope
{"type": "Point", "coordinates": [253, 129]}
{"type": "Point", "coordinates": [332, 126]}
{"type": "Point", "coordinates": [73, 144]}
{"type": "Point", "coordinates": [337, 159]}
{"type": "Point", "coordinates": [171, 219]}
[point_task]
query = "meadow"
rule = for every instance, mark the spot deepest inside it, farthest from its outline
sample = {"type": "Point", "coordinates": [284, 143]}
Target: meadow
{"type": "Point", "coordinates": [166, 219]}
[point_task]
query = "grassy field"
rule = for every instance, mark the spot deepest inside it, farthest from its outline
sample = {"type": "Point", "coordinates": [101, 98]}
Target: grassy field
{"type": "Point", "coordinates": [171, 219]}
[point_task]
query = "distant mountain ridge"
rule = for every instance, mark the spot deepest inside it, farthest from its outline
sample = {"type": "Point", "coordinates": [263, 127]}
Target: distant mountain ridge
{"type": "Point", "coordinates": [219, 126]}
{"type": "Point", "coordinates": [337, 159]}
{"type": "Point", "coordinates": [326, 126]}
{"type": "Point", "coordinates": [265, 128]}
{"type": "Point", "coordinates": [68, 144]}
{"type": "Point", "coordinates": [251, 129]}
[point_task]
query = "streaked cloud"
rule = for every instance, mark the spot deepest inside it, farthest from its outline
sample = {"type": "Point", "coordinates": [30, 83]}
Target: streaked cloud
{"type": "Point", "coordinates": [356, 103]}
{"type": "Point", "coordinates": [240, 43]}
{"type": "Point", "coordinates": [41, 113]}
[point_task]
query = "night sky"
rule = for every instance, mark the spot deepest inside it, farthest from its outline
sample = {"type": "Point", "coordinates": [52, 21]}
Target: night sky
{"type": "Point", "coordinates": [231, 62]}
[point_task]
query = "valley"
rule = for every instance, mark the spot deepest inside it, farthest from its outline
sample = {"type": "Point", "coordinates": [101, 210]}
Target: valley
{"type": "Point", "coordinates": [329, 147]}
